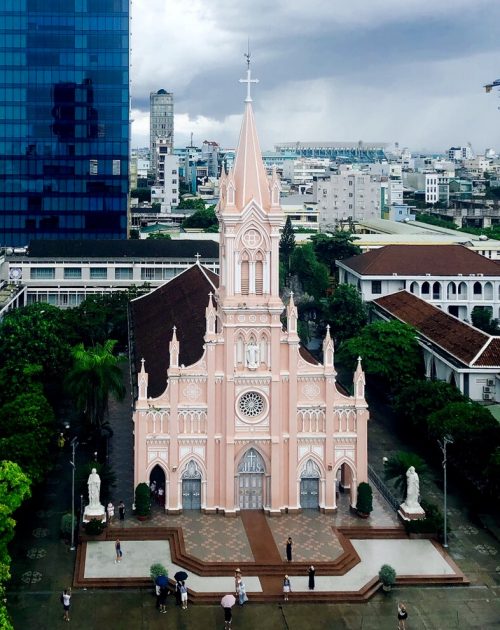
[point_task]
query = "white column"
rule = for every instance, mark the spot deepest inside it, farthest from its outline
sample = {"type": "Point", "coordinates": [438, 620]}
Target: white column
{"type": "Point", "coordinates": [266, 266]}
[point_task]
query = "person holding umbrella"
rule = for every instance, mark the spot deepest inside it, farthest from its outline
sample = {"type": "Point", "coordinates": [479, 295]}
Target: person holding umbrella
{"type": "Point", "coordinates": [161, 590]}
{"type": "Point", "coordinates": [179, 577]}
{"type": "Point", "coordinates": [227, 602]}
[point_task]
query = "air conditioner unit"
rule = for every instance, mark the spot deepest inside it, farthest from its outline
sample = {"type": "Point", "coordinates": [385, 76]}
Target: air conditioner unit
{"type": "Point", "coordinates": [491, 382]}
{"type": "Point", "coordinates": [487, 396]}
{"type": "Point", "coordinates": [486, 389]}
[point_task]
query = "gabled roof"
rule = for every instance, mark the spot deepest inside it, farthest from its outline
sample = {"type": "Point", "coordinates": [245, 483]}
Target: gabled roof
{"type": "Point", "coordinates": [181, 302]}
{"type": "Point", "coordinates": [113, 249]}
{"type": "Point", "coordinates": [469, 345]}
{"type": "Point", "coordinates": [250, 177]}
{"type": "Point", "coordinates": [418, 260]}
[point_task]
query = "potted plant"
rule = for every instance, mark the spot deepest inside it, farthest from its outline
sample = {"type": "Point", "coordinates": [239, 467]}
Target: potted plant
{"type": "Point", "coordinates": [142, 501]}
{"type": "Point", "coordinates": [364, 504]}
{"type": "Point", "coordinates": [387, 575]}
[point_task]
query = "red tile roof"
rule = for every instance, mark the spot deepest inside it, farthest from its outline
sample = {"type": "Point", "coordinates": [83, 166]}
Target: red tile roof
{"type": "Point", "coordinates": [418, 260]}
{"type": "Point", "coordinates": [455, 337]}
{"type": "Point", "coordinates": [181, 302]}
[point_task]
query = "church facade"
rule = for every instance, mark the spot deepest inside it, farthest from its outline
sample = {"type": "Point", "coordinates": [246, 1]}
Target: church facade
{"type": "Point", "coordinates": [232, 413]}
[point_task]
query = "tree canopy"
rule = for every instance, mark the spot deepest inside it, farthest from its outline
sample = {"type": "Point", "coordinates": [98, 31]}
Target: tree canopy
{"type": "Point", "coordinates": [160, 236]}
{"type": "Point", "coordinates": [142, 194]}
{"type": "Point", "coordinates": [312, 274]}
{"type": "Point", "coordinates": [346, 313]}
{"type": "Point", "coordinates": [334, 246]}
{"type": "Point", "coordinates": [389, 350]}
{"type": "Point", "coordinates": [482, 318]}
{"type": "Point", "coordinates": [287, 244]}
{"type": "Point", "coordinates": [202, 219]}
{"type": "Point", "coordinates": [193, 203]}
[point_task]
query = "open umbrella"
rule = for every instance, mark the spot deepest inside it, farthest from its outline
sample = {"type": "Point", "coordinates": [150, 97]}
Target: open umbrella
{"type": "Point", "coordinates": [180, 576]}
{"type": "Point", "coordinates": [162, 580]}
{"type": "Point", "coordinates": [228, 601]}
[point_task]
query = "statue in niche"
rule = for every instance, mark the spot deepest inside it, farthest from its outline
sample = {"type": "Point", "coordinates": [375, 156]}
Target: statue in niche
{"type": "Point", "coordinates": [252, 355]}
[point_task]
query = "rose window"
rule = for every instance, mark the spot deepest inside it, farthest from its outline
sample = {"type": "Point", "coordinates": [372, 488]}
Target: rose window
{"type": "Point", "coordinates": [251, 404]}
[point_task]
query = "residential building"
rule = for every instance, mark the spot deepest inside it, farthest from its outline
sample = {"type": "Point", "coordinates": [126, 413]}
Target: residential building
{"type": "Point", "coordinates": [437, 188]}
{"type": "Point", "coordinates": [454, 351]}
{"type": "Point", "coordinates": [166, 188]}
{"type": "Point", "coordinates": [64, 273]}
{"type": "Point", "coordinates": [161, 122]}
{"type": "Point", "coordinates": [233, 413]}
{"type": "Point", "coordinates": [300, 173]}
{"type": "Point", "coordinates": [457, 154]}
{"type": "Point", "coordinates": [210, 152]}
{"type": "Point", "coordinates": [348, 195]}
{"type": "Point", "coordinates": [64, 137]}
{"type": "Point", "coordinates": [451, 277]}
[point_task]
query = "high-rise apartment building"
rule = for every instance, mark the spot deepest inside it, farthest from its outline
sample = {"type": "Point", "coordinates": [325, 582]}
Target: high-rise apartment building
{"type": "Point", "coordinates": [64, 119]}
{"type": "Point", "coordinates": [161, 122]}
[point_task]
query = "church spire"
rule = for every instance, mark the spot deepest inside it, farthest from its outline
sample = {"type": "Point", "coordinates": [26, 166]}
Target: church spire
{"type": "Point", "coordinates": [248, 174]}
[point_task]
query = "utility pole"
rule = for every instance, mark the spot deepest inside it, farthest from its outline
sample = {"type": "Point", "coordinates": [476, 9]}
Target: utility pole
{"type": "Point", "coordinates": [74, 444]}
{"type": "Point", "coordinates": [442, 445]}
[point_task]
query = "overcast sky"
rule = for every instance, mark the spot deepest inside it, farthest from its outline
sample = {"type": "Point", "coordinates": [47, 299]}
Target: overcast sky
{"type": "Point", "coordinates": [342, 70]}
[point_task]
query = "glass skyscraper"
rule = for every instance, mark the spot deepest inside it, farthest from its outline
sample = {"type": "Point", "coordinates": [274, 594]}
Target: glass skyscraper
{"type": "Point", "coordinates": [64, 119]}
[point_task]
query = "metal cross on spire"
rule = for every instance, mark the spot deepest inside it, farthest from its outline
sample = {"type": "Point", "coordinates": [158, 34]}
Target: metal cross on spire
{"type": "Point", "coordinates": [249, 79]}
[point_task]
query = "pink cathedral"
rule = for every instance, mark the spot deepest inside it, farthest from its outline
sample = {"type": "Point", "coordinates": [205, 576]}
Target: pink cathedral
{"type": "Point", "coordinates": [231, 412]}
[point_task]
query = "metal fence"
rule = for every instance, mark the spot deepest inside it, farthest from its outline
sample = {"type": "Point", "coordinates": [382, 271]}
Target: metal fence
{"type": "Point", "coordinates": [383, 489]}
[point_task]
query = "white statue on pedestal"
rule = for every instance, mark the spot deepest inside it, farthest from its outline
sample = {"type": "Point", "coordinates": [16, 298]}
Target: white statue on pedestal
{"type": "Point", "coordinates": [94, 509]}
{"type": "Point", "coordinates": [411, 508]}
{"type": "Point", "coordinates": [253, 355]}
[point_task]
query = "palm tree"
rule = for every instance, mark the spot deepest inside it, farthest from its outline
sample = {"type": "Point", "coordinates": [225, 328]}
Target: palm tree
{"type": "Point", "coordinates": [397, 466]}
{"type": "Point", "coordinates": [94, 376]}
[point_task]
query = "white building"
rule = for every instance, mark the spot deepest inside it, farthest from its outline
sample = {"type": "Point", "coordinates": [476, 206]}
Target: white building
{"type": "Point", "coordinates": [350, 194]}
{"type": "Point", "coordinates": [161, 121]}
{"type": "Point", "coordinates": [437, 188]}
{"type": "Point", "coordinates": [301, 172]}
{"type": "Point", "coordinates": [166, 188]}
{"type": "Point", "coordinates": [454, 351]}
{"type": "Point", "coordinates": [450, 277]}
{"type": "Point", "coordinates": [460, 153]}
{"type": "Point", "coordinates": [477, 166]}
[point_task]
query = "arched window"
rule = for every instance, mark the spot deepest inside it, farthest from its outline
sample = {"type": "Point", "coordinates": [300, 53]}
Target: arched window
{"type": "Point", "coordinates": [452, 290]}
{"type": "Point", "coordinates": [414, 288]}
{"type": "Point", "coordinates": [259, 274]}
{"type": "Point", "coordinates": [425, 288]}
{"type": "Point", "coordinates": [477, 289]}
{"type": "Point", "coordinates": [245, 274]}
{"type": "Point", "coordinates": [436, 291]}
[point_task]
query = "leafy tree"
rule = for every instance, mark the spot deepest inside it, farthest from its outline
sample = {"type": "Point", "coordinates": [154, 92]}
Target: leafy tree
{"type": "Point", "coordinates": [14, 488]}
{"type": "Point", "coordinates": [312, 274]}
{"type": "Point", "coordinates": [346, 313]}
{"type": "Point", "coordinates": [155, 206]}
{"type": "Point", "coordinates": [142, 194]}
{"type": "Point", "coordinates": [287, 244]}
{"type": "Point", "coordinates": [415, 402]}
{"type": "Point", "coordinates": [390, 353]}
{"type": "Point", "coordinates": [27, 425]}
{"type": "Point", "coordinates": [160, 236]}
{"type": "Point", "coordinates": [335, 246]}
{"type": "Point", "coordinates": [134, 234]}
{"type": "Point", "coordinates": [95, 375]}
{"type": "Point", "coordinates": [203, 219]}
{"type": "Point", "coordinates": [397, 466]}
{"type": "Point", "coordinates": [482, 318]}
{"type": "Point", "coordinates": [192, 203]}
{"type": "Point", "coordinates": [474, 430]}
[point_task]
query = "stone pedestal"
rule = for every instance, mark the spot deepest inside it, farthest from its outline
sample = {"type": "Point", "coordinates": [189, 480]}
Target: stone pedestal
{"type": "Point", "coordinates": [411, 513]}
{"type": "Point", "coordinates": [94, 513]}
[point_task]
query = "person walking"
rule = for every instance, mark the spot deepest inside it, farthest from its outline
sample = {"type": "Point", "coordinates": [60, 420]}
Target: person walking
{"type": "Point", "coordinates": [118, 550]}
{"type": "Point", "coordinates": [184, 595]}
{"type": "Point", "coordinates": [402, 616]}
{"type": "Point", "coordinates": [163, 599]}
{"type": "Point", "coordinates": [287, 587]}
{"type": "Point", "coordinates": [228, 617]}
{"type": "Point", "coordinates": [66, 602]}
{"type": "Point", "coordinates": [289, 544]}
{"type": "Point", "coordinates": [110, 510]}
{"type": "Point", "coordinates": [242, 593]}
{"type": "Point", "coordinates": [311, 572]}
{"type": "Point", "coordinates": [121, 511]}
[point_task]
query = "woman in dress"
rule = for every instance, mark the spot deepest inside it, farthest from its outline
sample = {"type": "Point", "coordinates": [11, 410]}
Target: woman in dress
{"type": "Point", "coordinates": [287, 587]}
{"type": "Point", "coordinates": [402, 616]}
{"type": "Point", "coordinates": [242, 594]}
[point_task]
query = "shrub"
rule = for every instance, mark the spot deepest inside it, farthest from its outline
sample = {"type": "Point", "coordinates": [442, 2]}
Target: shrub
{"type": "Point", "coordinates": [66, 523]}
{"type": "Point", "coordinates": [156, 570]}
{"type": "Point", "coordinates": [433, 523]}
{"type": "Point", "coordinates": [142, 500]}
{"type": "Point", "coordinates": [387, 575]}
{"type": "Point", "coordinates": [94, 527]}
{"type": "Point", "coordinates": [364, 503]}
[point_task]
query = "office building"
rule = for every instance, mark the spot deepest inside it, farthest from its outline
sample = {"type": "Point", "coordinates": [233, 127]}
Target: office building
{"type": "Point", "coordinates": [64, 106]}
{"type": "Point", "coordinates": [161, 122]}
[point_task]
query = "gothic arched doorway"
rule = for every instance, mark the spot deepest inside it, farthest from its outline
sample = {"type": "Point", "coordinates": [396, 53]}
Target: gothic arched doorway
{"type": "Point", "coordinates": [251, 481]}
{"type": "Point", "coordinates": [157, 481]}
{"type": "Point", "coordinates": [191, 486]}
{"type": "Point", "coordinates": [345, 481]}
{"type": "Point", "coordinates": [309, 486]}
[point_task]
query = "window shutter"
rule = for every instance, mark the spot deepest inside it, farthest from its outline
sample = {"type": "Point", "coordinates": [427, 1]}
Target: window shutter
{"type": "Point", "coordinates": [244, 277]}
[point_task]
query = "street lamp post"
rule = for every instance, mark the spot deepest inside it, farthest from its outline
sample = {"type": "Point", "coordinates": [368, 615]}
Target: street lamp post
{"type": "Point", "coordinates": [442, 445]}
{"type": "Point", "coordinates": [74, 444]}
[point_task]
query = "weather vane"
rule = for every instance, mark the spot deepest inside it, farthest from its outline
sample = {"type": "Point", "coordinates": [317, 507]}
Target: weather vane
{"type": "Point", "coordinates": [248, 80]}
